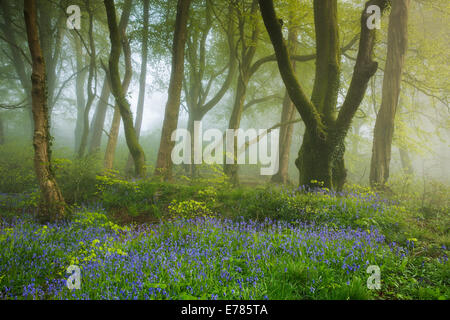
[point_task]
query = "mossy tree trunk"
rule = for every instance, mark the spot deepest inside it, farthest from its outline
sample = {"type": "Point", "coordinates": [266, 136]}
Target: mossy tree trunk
{"type": "Point", "coordinates": [384, 125]}
{"type": "Point", "coordinates": [164, 162]}
{"type": "Point", "coordinates": [321, 154]}
{"type": "Point", "coordinates": [54, 205]}
{"type": "Point", "coordinates": [119, 94]}
{"type": "Point", "coordinates": [113, 135]}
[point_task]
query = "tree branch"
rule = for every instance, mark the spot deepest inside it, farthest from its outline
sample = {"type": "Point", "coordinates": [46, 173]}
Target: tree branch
{"type": "Point", "coordinates": [364, 69]}
{"type": "Point", "coordinates": [304, 106]}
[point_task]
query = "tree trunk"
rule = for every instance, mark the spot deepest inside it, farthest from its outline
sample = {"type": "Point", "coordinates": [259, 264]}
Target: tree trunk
{"type": "Point", "coordinates": [384, 125]}
{"type": "Point", "coordinates": [90, 91]}
{"type": "Point", "coordinates": [51, 41]}
{"type": "Point", "coordinates": [321, 156]}
{"type": "Point", "coordinates": [196, 93]}
{"type": "Point", "coordinates": [231, 170]}
{"type": "Point", "coordinates": [406, 161]}
{"type": "Point", "coordinates": [314, 161]}
{"type": "Point", "coordinates": [98, 122]}
{"type": "Point", "coordinates": [119, 93]}
{"type": "Point", "coordinates": [2, 131]}
{"type": "Point", "coordinates": [285, 140]}
{"type": "Point", "coordinates": [192, 168]}
{"type": "Point", "coordinates": [287, 115]}
{"type": "Point", "coordinates": [54, 205]}
{"type": "Point", "coordinates": [112, 140]}
{"type": "Point", "coordinates": [17, 61]}
{"type": "Point", "coordinates": [164, 161]}
{"type": "Point", "coordinates": [79, 89]}
{"type": "Point", "coordinates": [102, 106]}
{"type": "Point", "coordinates": [247, 53]}
{"type": "Point", "coordinates": [142, 77]}
{"type": "Point", "coordinates": [113, 136]}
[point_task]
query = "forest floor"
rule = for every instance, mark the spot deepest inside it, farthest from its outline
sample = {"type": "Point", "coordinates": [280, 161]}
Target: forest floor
{"type": "Point", "coordinates": [205, 240]}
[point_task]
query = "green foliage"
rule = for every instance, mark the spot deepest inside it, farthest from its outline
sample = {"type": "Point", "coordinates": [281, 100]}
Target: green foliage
{"type": "Point", "coordinates": [16, 168]}
{"type": "Point", "coordinates": [209, 259]}
{"type": "Point", "coordinates": [189, 209]}
{"type": "Point", "coordinates": [153, 199]}
{"type": "Point", "coordinates": [76, 178]}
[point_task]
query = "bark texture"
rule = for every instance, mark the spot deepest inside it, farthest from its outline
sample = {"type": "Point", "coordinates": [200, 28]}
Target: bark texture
{"type": "Point", "coordinates": [384, 125]}
{"type": "Point", "coordinates": [164, 162]}
{"type": "Point", "coordinates": [113, 135]}
{"type": "Point", "coordinates": [119, 94]}
{"type": "Point", "coordinates": [53, 201]}
{"type": "Point", "coordinates": [321, 156]}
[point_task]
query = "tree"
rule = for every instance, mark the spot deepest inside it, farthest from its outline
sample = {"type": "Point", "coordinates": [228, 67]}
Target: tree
{"type": "Point", "coordinates": [51, 36]}
{"type": "Point", "coordinates": [2, 131]}
{"type": "Point", "coordinates": [98, 121]}
{"type": "Point", "coordinates": [113, 135]}
{"type": "Point", "coordinates": [200, 76]}
{"type": "Point", "coordinates": [321, 154]}
{"type": "Point", "coordinates": [384, 125]}
{"type": "Point", "coordinates": [54, 205]}
{"type": "Point", "coordinates": [19, 59]}
{"type": "Point", "coordinates": [79, 89]}
{"type": "Point", "coordinates": [164, 163]}
{"type": "Point", "coordinates": [118, 92]}
{"type": "Point", "coordinates": [90, 89]}
{"type": "Point", "coordinates": [142, 74]}
{"type": "Point", "coordinates": [287, 115]}
{"type": "Point", "coordinates": [246, 52]}
{"type": "Point", "coordinates": [246, 55]}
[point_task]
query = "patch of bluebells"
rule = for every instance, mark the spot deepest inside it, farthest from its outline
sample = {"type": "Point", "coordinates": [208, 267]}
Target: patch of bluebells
{"type": "Point", "coordinates": [206, 258]}
{"type": "Point", "coordinates": [324, 206]}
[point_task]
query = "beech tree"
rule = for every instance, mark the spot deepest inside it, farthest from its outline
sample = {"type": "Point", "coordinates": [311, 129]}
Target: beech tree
{"type": "Point", "coordinates": [113, 135]}
{"type": "Point", "coordinates": [200, 78]}
{"type": "Point", "coordinates": [90, 84]}
{"type": "Point", "coordinates": [287, 116]}
{"type": "Point", "coordinates": [142, 74]}
{"type": "Point", "coordinates": [321, 155]}
{"type": "Point", "coordinates": [79, 89]}
{"type": "Point", "coordinates": [54, 205]}
{"type": "Point", "coordinates": [98, 120]}
{"type": "Point", "coordinates": [164, 162]}
{"type": "Point", "coordinates": [384, 125]}
{"type": "Point", "coordinates": [118, 91]}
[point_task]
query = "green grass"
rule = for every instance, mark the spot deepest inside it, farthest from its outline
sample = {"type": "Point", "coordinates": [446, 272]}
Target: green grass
{"type": "Point", "coordinates": [201, 239]}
